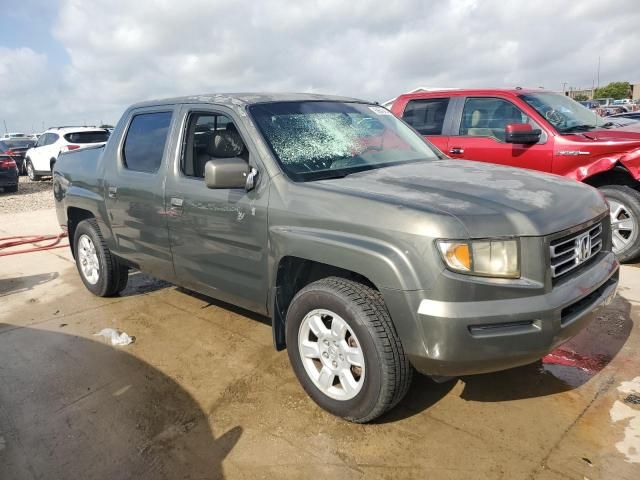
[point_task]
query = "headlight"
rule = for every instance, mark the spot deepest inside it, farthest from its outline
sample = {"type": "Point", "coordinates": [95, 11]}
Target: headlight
{"type": "Point", "coordinates": [487, 258]}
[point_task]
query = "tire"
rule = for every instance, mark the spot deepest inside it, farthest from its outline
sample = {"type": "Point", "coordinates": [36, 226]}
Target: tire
{"type": "Point", "coordinates": [369, 339]}
{"type": "Point", "coordinates": [11, 189]}
{"type": "Point", "coordinates": [31, 173]}
{"type": "Point", "coordinates": [100, 271]}
{"type": "Point", "coordinates": [624, 203]}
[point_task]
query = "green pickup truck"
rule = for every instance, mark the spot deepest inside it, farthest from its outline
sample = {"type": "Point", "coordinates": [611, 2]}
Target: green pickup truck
{"type": "Point", "coordinates": [373, 253]}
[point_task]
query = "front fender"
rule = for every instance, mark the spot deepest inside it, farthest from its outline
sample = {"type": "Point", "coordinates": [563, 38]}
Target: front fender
{"type": "Point", "coordinates": [383, 264]}
{"type": "Point", "coordinates": [629, 160]}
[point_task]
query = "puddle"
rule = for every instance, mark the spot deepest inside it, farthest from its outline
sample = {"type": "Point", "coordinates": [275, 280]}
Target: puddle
{"type": "Point", "coordinates": [573, 368]}
{"type": "Point", "coordinates": [620, 411]}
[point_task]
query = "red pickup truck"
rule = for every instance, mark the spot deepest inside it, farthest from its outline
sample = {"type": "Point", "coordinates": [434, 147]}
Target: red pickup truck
{"type": "Point", "coordinates": [539, 130]}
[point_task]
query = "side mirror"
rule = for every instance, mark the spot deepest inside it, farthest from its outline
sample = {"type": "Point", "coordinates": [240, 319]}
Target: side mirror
{"type": "Point", "coordinates": [521, 133]}
{"type": "Point", "coordinates": [231, 172]}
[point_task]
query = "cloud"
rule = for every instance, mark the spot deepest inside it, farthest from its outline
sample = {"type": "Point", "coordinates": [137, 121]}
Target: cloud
{"type": "Point", "coordinates": [124, 51]}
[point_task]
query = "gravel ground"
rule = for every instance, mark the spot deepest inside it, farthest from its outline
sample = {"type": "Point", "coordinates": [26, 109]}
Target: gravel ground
{"type": "Point", "coordinates": [30, 196]}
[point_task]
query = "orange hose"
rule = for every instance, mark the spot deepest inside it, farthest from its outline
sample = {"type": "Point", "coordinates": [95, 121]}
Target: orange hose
{"type": "Point", "coordinates": [8, 242]}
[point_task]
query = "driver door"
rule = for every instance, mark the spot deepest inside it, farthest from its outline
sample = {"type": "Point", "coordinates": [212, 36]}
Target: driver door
{"type": "Point", "coordinates": [480, 136]}
{"type": "Point", "coordinates": [218, 237]}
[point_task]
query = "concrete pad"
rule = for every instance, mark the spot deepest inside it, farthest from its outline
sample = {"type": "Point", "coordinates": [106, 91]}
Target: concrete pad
{"type": "Point", "coordinates": [202, 394]}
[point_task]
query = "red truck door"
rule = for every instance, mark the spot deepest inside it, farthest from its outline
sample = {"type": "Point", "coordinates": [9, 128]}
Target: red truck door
{"type": "Point", "coordinates": [428, 116]}
{"type": "Point", "coordinates": [479, 134]}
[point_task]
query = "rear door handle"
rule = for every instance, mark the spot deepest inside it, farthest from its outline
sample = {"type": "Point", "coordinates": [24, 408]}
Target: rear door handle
{"type": "Point", "coordinates": [176, 205]}
{"type": "Point", "coordinates": [456, 151]}
{"type": "Point", "coordinates": [113, 192]}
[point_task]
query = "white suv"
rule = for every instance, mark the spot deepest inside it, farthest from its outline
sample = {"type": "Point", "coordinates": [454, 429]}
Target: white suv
{"type": "Point", "coordinates": [39, 159]}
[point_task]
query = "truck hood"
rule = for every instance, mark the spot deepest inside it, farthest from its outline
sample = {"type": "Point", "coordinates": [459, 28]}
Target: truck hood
{"type": "Point", "coordinates": [489, 200]}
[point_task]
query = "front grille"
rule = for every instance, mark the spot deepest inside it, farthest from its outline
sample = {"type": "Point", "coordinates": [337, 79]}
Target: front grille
{"type": "Point", "coordinates": [570, 252]}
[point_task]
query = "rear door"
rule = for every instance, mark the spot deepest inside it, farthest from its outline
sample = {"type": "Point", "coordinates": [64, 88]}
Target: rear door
{"type": "Point", "coordinates": [430, 117]}
{"type": "Point", "coordinates": [479, 134]}
{"type": "Point", "coordinates": [134, 190]}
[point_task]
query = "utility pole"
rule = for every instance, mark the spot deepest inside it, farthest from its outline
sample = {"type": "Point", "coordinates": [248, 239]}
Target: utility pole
{"type": "Point", "coordinates": [5, 126]}
{"type": "Point", "coordinates": [598, 84]}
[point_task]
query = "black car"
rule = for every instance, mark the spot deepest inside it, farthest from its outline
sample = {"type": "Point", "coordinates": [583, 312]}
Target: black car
{"type": "Point", "coordinates": [8, 173]}
{"type": "Point", "coordinates": [629, 115]}
{"type": "Point", "coordinates": [16, 148]}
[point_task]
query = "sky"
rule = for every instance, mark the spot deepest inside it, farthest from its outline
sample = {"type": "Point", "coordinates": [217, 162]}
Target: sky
{"type": "Point", "coordinates": [84, 61]}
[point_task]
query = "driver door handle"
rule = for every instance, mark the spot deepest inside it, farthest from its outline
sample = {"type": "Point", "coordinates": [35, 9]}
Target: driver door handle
{"type": "Point", "coordinates": [456, 150]}
{"type": "Point", "coordinates": [113, 192]}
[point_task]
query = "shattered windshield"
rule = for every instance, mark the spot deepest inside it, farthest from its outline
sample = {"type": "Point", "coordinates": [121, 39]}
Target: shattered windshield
{"type": "Point", "coordinates": [564, 113]}
{"type": "Point", "coordinates": [316, 140]}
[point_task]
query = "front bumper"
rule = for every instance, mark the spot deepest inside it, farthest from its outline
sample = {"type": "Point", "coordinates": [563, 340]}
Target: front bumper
{"type": "Point", "coordinates": [462, 338]}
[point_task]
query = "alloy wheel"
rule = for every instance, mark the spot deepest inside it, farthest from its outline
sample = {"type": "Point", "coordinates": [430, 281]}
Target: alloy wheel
{"type": "Point", "coordinates": [88, 259]}
{"type": "Point", "coordinates": [623, 225]}
{"type": "Point", "coordinates": [331, 354]}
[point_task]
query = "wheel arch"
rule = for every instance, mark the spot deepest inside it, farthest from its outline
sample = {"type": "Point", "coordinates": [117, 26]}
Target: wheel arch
{"type": "Point", "coordinates": [301, 256]}
{"type": "Point", "coordinates": [76, 215]}
{"type": "Point", "coordinates": [618, 175]}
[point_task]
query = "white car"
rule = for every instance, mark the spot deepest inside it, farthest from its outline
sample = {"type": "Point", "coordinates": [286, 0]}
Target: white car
{"type": "Point", "coordinates": [39, 159]}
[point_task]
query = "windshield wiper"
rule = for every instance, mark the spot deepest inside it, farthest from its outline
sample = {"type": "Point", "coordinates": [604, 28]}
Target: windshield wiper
{"type": "Point", "coordinates": [579, 128]}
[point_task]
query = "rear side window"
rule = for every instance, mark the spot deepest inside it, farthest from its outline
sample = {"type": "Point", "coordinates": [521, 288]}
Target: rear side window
{"type": "Point", "coordinates": [145, 141]}
{"type": "Point", "coordinates": [426, 115]}
{"type": "Point", "coordinates": [87, 137]}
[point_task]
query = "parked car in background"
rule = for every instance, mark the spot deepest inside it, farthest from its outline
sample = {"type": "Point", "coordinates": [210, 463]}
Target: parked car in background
{"type": "Point", "coordinates": [372, 253]}
{"type": "Point", "coordinates": [604, 102]}
{"type": "Point", "coordinates": [630, 115]}
{"type": "Point", "coordinates": [8, 174]}
{"type": "Point", "coordinates": [613, 121]}
{"type": "Point", "coordinates": [16, 149]}
{"type": "Point", "coordinates": [539, 130]}
{"type": "Point", "coordinates": [9, 135]}
{"type": "Point", "coordinates": [590, 104]}
{"type": "Point", "coordinates": [40, 159]}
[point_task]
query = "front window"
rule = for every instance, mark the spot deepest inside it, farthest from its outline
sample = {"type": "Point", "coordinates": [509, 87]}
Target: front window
{"type": "Point", "coordinates": [315, 140]}
{"type": "Point", "coordinates": [563, 113]}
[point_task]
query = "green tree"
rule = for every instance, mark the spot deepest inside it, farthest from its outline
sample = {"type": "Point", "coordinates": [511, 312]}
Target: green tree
{"type": "Point", "coordinates": [616, 90]}
{"type": "Point", "coordinates": [580, 97]}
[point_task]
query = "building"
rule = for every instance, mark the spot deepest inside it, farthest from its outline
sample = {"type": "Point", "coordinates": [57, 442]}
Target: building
{"type": "Point", "coordinates": [589, 92]}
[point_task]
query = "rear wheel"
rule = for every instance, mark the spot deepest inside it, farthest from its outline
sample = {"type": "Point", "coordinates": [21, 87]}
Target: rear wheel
{"type": "Point", "coordinates": [100, 271]}
{"type": "Point", "coordinates": [12, 189]}
{"type": "Point", "coordinates": [624, 207]}
{"type": "Point", "coordinates": [31, 173]}
{"type": "Point", "coordinates": [344, 349]}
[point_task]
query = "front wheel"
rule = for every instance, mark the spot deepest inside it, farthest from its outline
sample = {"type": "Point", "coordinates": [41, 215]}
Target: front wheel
{"type": "Point", "coordinates": [100, 271]}
{"type": "Point", "coordinates": [31, 173]}
{"type": "Point", "coordinates": [624, 208]}
{"type": "Point", "coordinates": [344, 349]}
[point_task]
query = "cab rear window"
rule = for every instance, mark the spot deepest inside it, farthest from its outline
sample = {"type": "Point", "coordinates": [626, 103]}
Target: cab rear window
{"type": "Point", "coordinates": [87, 137]}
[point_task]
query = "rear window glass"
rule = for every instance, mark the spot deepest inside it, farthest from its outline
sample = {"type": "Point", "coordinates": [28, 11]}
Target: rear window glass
{"type": "Point", "coordinates": [144, 145]}
{"type": "Point", "coordinates": [87, 137]}
{"type": "Point", "coordinates": [19, 143]}
{"type": "Point", "coordinates": [426, 115]}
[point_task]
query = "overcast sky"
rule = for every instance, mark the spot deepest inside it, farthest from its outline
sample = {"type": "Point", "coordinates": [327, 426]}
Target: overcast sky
{"type": "Point", "coordinates": [77, 61]}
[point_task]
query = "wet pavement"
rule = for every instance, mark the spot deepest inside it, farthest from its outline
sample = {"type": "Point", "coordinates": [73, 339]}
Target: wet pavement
{"type": "Point", "coordinates": [202, 394]}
